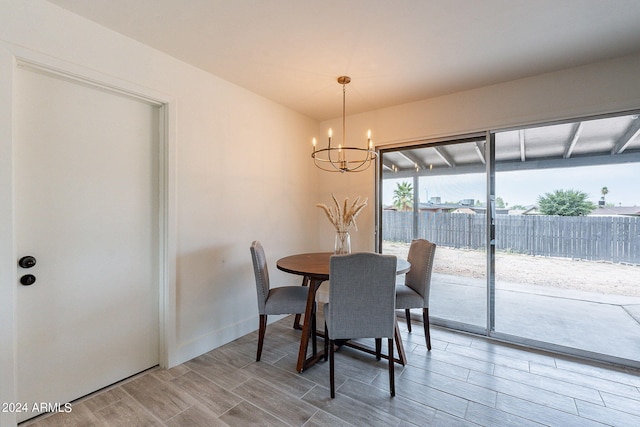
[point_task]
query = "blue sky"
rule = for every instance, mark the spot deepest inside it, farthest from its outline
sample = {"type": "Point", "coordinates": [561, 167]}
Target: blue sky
{"type": "Point", "coordinates": [524, 187]}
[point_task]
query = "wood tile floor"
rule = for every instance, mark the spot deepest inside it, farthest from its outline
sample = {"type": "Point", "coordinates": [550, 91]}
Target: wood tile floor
{"type": "Point", "coordinates": [464, 381]}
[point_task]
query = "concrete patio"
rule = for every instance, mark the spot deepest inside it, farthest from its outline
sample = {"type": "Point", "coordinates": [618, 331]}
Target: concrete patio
{"type": "Point", "coordinates": [591, 322]}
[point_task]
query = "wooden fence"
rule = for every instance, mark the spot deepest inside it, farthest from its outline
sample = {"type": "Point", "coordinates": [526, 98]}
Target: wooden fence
{"type": "Point", "coordinates": [606, 238]}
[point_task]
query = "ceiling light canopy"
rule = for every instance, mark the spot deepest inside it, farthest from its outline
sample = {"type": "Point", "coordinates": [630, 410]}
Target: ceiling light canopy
{"type": "Point", "coordinates": [344, 158]}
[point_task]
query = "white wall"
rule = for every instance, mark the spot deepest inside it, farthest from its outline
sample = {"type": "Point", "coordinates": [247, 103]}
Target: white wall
{"type": "Point", "coordinates": [235, 180]}
{"type": "Point", "coordinates": [592, 89]}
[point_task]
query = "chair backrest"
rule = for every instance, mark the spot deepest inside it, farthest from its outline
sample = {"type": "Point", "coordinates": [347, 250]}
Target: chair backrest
{"type": "Point", "coordinates": [262, 274]}
{"type": "Point", "coordinates": [362, 298]}
{"type": "Point", "coordinates": [421, 255]}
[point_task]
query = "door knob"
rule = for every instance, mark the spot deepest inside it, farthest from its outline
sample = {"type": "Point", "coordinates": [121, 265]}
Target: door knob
{"type": "Point", "coordinates": [28, 279]}
{"type": "Point", "coordinates": [27, 261]}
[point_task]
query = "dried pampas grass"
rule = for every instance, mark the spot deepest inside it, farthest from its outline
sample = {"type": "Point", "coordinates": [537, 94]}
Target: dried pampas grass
{"type": "Point", "coordinates": [343, 216]}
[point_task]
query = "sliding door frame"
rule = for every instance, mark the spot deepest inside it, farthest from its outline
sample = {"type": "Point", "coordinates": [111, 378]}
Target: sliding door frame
{"type": "Point", "coordinates": [490, 232]}
{"type": "Point", "coordinates": [422, 143]}
{"type": "Point", "coordinates": [490, 161]}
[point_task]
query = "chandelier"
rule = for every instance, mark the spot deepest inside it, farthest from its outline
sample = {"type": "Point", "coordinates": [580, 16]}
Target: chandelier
{"type": "Point", "coordinates": [343, 158]}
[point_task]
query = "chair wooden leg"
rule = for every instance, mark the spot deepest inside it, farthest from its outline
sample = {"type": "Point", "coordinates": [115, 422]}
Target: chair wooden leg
{"type": "Point", "coordinates": [261, 330]}
{"type": "Point", "coordinates": [296, 321]}
{"type": "Point", "coordinates": [332, 384]}
{"type": "Point", "coordinates": [425, 322]}
{"type": "Point", "coordinates": [392, 379]}
{"type": "Point", "coordinates": [378, 348]}
{"type": "Point", "coordinates": [407, 314]}
{"type": "Point", "coordinates": [326, 343]}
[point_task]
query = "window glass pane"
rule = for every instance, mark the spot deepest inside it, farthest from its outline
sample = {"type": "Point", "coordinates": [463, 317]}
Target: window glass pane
{"type": "Point", "coordinates": [568, 235]}
{"type": "Point", "coordinates": [426, 194]}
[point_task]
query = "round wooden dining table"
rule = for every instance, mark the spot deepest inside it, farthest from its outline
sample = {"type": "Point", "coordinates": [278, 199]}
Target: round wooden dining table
{"type": "Point", "coordinates": [314, 267]}
{"type": "Point", "coordinates": [308, 265]}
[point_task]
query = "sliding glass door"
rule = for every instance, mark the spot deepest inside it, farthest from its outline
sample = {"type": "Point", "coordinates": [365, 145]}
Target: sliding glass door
{"type": "Point", "coordinates": [567, 268]}
{"type": "Point", "coordinates": [538, 232]}
{"type": "Point", "coordinates": [426, 194]}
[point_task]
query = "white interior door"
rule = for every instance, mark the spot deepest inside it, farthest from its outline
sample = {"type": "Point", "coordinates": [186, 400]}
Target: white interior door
{"type": "Point", "coordinates": [86, 198]}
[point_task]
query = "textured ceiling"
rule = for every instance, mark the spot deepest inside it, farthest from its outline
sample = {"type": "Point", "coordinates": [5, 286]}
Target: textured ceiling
{"type": "Point", "coordinates": [292, 51]}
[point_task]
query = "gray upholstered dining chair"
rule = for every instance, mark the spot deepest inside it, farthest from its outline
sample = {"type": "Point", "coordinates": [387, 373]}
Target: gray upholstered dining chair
{"type": "Point", "coordinates": [361, 304]}
{"type": "Point", "coordinates": [278, 300]}
{"type": "Point", "coordinates": [415, 291]}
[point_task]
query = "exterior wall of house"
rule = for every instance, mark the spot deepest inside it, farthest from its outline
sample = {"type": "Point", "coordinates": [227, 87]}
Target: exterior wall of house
{"type": "Point", "coordinates": [593, 89]}
{"type": "Point", "coordinates": [235, 180]}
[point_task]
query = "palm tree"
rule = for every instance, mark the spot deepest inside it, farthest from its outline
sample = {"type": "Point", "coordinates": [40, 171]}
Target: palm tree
{"type": "Point", "coordinates": [403, 196]}
{"type": "Point", "coordinates": [604, 192]}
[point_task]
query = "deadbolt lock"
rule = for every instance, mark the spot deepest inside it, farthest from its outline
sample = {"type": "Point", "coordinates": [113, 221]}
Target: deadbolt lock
{"type": "Point", "coordinates": [27, 261]}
